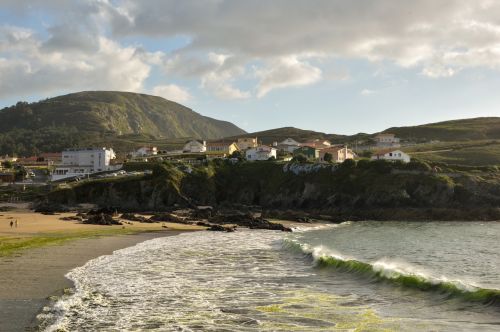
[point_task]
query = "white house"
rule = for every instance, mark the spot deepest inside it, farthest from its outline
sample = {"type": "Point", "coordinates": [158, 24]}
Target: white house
{"type": "Point", "coordinates": [288, 145]}
{"type": "Point", "coordinates": [83, 162]}
{"type": "Point", "coordinates": [262, 152]}
{"type": "Point", "coordinates": [391, 155]}
{"type": "Point", "coordinates": [145, 151]}
{"type": "Point", "coordinates": [195, 146]}
{"type": "Point", "coordinates": [387, 140]}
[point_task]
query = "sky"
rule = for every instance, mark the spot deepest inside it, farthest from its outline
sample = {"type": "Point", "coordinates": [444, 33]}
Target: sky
{"type": "Point", "coordinates": [336, 66]}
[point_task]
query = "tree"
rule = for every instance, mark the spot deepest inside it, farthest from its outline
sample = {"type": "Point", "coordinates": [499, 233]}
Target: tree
{"type": "Point", "coordinates": [328, 157]}
{"type": "Point", "coordinates": [300, 158]}
{"type": "Point", "coordinates": [237, 154]}
{"type": "Point", "coordinates": [7, 164]}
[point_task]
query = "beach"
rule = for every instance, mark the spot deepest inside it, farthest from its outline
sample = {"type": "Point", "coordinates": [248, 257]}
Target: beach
{"type": "Point", "coordinates": [43, 248]}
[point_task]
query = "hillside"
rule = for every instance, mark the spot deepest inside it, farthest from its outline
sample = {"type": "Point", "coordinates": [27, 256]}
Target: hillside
{"type": "Point", "coordinates": [301, 135]}
{"type": "Point", "coordinates": [455, 130]}
{"type": "Point", "coordinates": [450, 131]}
{"type": "Point", "coordinates": [94, 117]}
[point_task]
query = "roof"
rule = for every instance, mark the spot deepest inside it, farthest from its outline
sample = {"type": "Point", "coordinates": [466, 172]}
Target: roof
{"type": "Point", "coordinates": [51, 154]}
{"type": "Point", "coordinates": [219, 143]}
{"type": "Point", "coordinates": [194, 140]}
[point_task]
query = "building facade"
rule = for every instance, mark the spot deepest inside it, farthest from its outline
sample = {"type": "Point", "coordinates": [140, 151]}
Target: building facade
{"type": "Point", "coordinates": [391, 155]}
{"type": "Point", "coordinates": [145, 151]}
{"type": "Point", "coordinates": [223, 149]}
{"type": "Point", "coordinates": [339, 154]}
{"type": "Point", "coordinates": [262, 152]}
{"type": "Point", "coordinates": [83, 162]}
{"type": "Point", "coordinates": [387, 140]}
{"type": "Point", "coordinates": [247, 143]}
{"type": "Point", "coordinates": [288, 145]}
{"type": "Point", "coordinates": [195, 146]}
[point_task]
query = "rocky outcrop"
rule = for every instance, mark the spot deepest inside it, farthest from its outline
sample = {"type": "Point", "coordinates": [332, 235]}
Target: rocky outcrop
{"type": "Point", "coordinates": [300, 193]}
{"type": "Point", "coordinates": [248, 220]}
{"type": "Point", "coordinates": [101, 219]}
{"type": "Point", "coordinates": [133, 217]}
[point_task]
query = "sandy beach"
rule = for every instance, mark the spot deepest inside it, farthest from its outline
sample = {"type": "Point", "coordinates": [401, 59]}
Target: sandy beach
{"type": "Point", "coordinates": [43, 248]}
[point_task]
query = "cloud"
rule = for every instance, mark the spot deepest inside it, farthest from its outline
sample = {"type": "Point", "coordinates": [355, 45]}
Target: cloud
{"type": "Point", "coordinates": [217, 72]}
{"type": "Point", "coordinates": [282, 39]}
{"type": "Point", "coordinates": [286, 72]}
{"type": "Point", "coordinates": [367, 92]}
{"type": "Point", "coordinates": [28, 66]}
{"type": "Point", "coordinates": [172, 92]}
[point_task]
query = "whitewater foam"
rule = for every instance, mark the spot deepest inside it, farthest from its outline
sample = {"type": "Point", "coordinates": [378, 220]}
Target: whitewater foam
{"type": "Point", "coordinates": [396, 271]}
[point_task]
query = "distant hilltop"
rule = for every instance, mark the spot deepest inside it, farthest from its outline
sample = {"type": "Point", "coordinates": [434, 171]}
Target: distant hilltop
{"type": "Point", "coordinates": [101, 117]}
{"type": "Point", "coordinates": [484, 128]}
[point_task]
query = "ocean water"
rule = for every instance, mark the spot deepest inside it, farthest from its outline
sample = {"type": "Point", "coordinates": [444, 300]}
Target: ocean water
{"type": "Point", "coordinates": [364, 276]}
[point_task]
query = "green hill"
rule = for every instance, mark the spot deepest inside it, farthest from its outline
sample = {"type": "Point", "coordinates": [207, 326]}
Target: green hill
{"type": "Point", "coordinates": [301, 135]}
{"type": "Point", "coordinates": [98, 117]}
{"type": "Point", "coordinates": [455, 130]}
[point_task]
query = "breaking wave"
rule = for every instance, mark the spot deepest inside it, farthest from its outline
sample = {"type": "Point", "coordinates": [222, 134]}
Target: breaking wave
{"type": "Point", "coordinates": [398, 273]}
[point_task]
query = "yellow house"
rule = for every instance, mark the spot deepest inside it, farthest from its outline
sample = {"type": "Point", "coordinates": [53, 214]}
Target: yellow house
{"type": "Point", "coordinates": [223, 149]}
{"type": "Point", "coordinates": [247, 143]}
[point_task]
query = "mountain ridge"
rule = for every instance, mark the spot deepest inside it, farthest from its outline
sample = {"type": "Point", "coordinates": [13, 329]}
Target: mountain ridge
{"type": "Point", "coordinates": [98, 117]}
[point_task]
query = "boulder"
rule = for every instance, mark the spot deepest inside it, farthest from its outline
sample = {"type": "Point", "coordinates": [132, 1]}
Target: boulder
{"type": "Point", "coordinates": [219, 228]}
{"type": "Point", "coordinates": [133, 217]}
{"type": "Point", "coordinates": [102, 219]}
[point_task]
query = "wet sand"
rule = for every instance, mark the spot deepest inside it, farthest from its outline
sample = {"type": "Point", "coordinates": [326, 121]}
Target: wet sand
{"type": "Point", "coordinates": [30, 277]}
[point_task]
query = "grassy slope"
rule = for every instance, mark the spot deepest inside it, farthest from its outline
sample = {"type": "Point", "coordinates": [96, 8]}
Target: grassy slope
{"type": "Point", "coordinates": [455, 130]}
{"type": "Point", "coordinates": [102, 117]}
{"type": "Point", "coordinates": [473, 142]}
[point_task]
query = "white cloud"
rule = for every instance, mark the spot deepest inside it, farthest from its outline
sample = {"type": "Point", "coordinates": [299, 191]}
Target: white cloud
{"type": "Point", "coordinates": [29, 67]}
{"type": "Point", "coordinates": [217, 73]}
{"type": "Point", "coordinates": [286, 72]}
{"type": "Point", "coordinates": [281, 38]}
{"type": "Point", "coordinates": [367, 92]}
{"type": "Point", "coordinates": [172, 92]}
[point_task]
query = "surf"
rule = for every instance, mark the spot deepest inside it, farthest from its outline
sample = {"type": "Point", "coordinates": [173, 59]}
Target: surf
{"type": "Point", "coordinates": [395, 273]}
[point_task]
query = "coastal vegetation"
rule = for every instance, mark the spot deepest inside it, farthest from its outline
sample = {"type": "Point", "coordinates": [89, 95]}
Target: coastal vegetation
{"type": "Point", "coordinates": [348, 191]}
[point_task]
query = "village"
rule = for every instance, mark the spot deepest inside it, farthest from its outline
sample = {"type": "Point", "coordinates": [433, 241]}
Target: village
{"type": "Point", "coordinates": [74, 164]}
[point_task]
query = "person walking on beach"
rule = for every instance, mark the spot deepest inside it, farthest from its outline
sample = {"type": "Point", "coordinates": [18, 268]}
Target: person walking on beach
{"type": "Point", "coordinates": [11, 224]}
{"type": "Point", "coordinates": [15, 223]}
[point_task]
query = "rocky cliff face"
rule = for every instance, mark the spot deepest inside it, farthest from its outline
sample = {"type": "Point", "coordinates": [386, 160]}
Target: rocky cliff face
{"type": "Point", "coordinates": [365, 191]}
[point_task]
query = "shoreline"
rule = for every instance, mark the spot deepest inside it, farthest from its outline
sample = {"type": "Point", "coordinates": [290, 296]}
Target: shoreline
{"type": "Point", "coordinates": [29, 279]}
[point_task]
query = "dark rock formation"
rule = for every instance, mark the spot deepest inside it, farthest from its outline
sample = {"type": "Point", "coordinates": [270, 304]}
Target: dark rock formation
{"type": "Point", "coordinates": [248, 220]}
{"type": "Point", "coordinates": [101, 219]}
{"type": "Point", "coordinates": [219, 228]}
{"type": "Point", "coordinates": [133, 217]}
{"type": "Point", "coordinates": [71, 218]}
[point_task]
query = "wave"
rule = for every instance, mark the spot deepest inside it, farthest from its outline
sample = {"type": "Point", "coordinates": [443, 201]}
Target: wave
{"type": "Point", "coordinates": [397, 273]}
{"type": "Point", "coordinates": [308, 228]}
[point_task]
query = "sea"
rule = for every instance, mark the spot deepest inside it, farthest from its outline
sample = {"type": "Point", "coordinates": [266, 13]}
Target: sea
{"type": "Point", "coordinates": [355, 276]}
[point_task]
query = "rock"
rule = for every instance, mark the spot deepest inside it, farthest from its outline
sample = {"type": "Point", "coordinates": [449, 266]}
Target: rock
{"type": "Point", "coordinates": [104, 210]}
{"type": "Point", "coordinates": [102, 219]}
{"type": "Point", "coordinates": [219, 228]}
{"type": "Point", "coordinates": [247, 220]}
{"type": "Point", "coordinates": [203, 223]}
{"type": "Point", "coordinates": [75, 218]}
{"type": "Point", "coordinates": [168, 217]}
{"type": "Point", "coordinates": [133, 217]}
{"type": "Point", "coordinates": [202, 212]}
